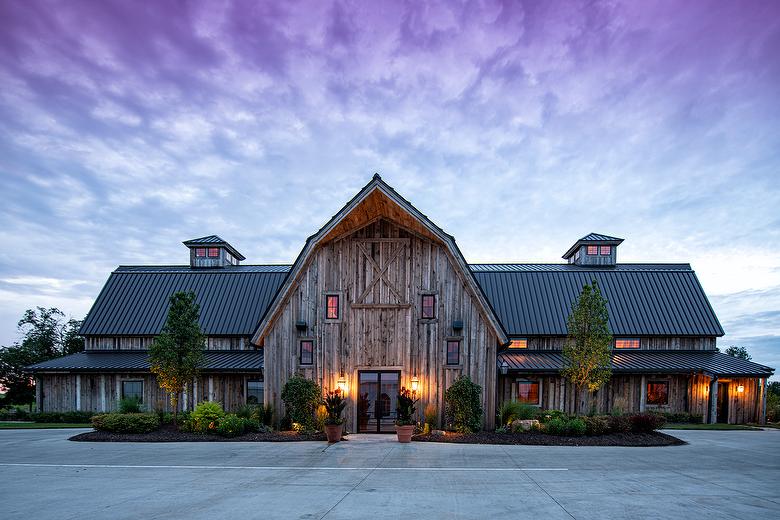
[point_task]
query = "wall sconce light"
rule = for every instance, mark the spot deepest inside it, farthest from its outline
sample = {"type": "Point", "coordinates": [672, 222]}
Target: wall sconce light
{"type": "Point", "coordinates": [342, 384]}
{"type": "Point", "coordinates": [415, 383]}
{"type": "Point", "coordinates": [504, 367]}
{"type": "Point", "coordinates": [301, 325]}
{"type": "Point", "coordinates": [740, 389]}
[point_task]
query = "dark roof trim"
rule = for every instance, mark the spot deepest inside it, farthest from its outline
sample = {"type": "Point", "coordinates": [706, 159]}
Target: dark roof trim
{"type": "Point", "coordinates": [213, 240]}
{"type": "Point", "coordinates": [591, 239]}
{"type": "Point", "coordinates": [138, 361]}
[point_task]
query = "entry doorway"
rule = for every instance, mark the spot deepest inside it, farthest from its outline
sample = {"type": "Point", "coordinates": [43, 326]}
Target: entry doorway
{"type": "Point", "coordinates": [376, 403]}
{"type": "Point", "coordinates": [723, 403]}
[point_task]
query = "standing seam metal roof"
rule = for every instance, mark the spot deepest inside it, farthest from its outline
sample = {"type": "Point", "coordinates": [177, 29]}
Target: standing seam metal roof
{"type": "Point", "coordinates": [137, 360]}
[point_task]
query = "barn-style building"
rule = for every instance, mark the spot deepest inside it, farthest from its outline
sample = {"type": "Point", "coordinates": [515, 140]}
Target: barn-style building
{"type": "Point", "coordinates": [381, 297]}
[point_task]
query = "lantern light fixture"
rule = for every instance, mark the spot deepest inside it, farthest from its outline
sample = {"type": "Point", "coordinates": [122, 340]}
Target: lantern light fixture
{"type": "Point", "coordinates": [415, 383]}
{"type": "Point", "coordinates": [342, 384]}
{"type": "Point", "coordinates": [741, 388]}
{"type": "Point", "coordinates": [504, 367]}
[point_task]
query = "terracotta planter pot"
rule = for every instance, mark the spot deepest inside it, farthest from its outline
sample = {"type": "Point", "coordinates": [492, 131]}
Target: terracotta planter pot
{"type": "Point", "coordinates": [333, 431]}
{"type": "Point", "coordinates": [404, 432]}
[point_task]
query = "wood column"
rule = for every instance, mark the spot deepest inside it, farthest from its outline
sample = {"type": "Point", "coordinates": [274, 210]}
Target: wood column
{"type": "Point", "coordinates": [102, 393]}
{"type": "Point", "coordinates": [78, 392]}
{"type": "Point", "coordinates": [38, 395]}
{"type": "Point", "coordinates": [713, 400]}
{"type": "Point", "coordinates": [643, 394]}
{"type": "Point", "coordinates": [762, 413]}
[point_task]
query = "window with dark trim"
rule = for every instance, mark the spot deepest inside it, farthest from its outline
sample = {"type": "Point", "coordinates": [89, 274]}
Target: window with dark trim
{"type": "Point", "coordinates": [605, 250]}
{"type": "Point", "coordinates": [307, 352]}
{"type": "Point", "coordinates": [332, 306]}
{"type": "Point", "coordinates": [213, 252]}
{"type": "Point", "coordinates": [518, 343]}
{"type": "Point", "coordinates": [133, 390]}
{"type": "Point", "coordinates": [528, 392]}
{"type": "Point", "coordinates": [627, 343]}
{"type": "Point", "coordinates": [658, 392]}
{"type": "Point", "coordinates": [453, 352]}
{"type": "Point", "coordinates": [200, 251]}
{"type": "Point", "coordinates": [254, 391]}
{"type": "Point", "coordinates": [593, 250]}
{"type": "Point", "coordinates": [428, 306]}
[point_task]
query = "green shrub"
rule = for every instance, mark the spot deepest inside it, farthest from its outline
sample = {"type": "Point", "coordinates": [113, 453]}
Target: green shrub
{"type": "Point", "coordinates": [206, 416]}
{"type": "Point", "coordinates": [596, 425]}
{"type": "Point", "coordinates": [130, 405]}
{"type": "Point", "coordinates": [556, 426]}
{"type": "Point", "coordinates": [576, 427]}
{"type": "Point", "coordinates": [513, 410]}
{"type": "Point", "coordinates": [619, 423]}
{"type": "Point", "coordinates": [464, 407]}
{"type": "Point", "coordinates": [301, 397]}
{"type": "Point", "coordinates": [547, 415]}
{"type": "Point", "coordinates": [334, 407]}
{"type": "Point", "coordinates": [431, 416]}
{"type": "Point", "coordinates": [231, 425]}
{"type": "Point", "coordinates": [62, 417]}
{"type": "Point", "coordinates": [645, 422]}
{"type": "Point", "coordinates": [126, 422]}
{"type": "Point", "coordinates": [404, 410]}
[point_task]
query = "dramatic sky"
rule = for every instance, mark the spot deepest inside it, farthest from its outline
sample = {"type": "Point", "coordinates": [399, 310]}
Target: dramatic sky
{"type": "Point", "coordinates": [127, 127]}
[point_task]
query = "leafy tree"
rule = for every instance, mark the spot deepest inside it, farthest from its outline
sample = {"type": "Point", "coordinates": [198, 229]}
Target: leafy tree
{"type": "Point", "coordinates": [301, 397]}
{"type": "Point", "coordinates": [464, 405]}
{"type": "Point", "coordinates": [739, 352]}
{"type": "Point", "coordinates": [586, 353]}
{"type": "Point", "coordinates": [176, 355]}
{"type": "Point", "coordinates": [45, 335]}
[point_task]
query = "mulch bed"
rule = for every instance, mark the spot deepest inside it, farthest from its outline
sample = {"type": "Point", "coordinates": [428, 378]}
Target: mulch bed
{"type": "Point", "coordinates": [543, 439]}
{"type": "Point", "coordinates": [168, 433]}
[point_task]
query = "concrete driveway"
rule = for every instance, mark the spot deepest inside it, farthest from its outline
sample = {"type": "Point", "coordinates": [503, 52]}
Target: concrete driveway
{"type": "Point", "coordinates": [730, 474]}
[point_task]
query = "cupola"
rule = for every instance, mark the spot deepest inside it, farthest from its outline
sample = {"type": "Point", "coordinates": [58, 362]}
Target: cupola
{"type": "Point", "coordinates": [594, 250]}
{"type": "Point", "coordinates": [212, 251]}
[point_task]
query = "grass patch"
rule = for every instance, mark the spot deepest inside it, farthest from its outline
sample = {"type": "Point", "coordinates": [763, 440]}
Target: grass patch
{"type": "Point", "coordinates": [10, 425]}
{"type": "Point", "coordinates": [718, 426]}
{"type": "Point", "coordinates": [767, 425]}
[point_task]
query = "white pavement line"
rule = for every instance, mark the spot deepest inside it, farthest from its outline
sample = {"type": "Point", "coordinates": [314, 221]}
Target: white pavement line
{"type": "Point", "coordinates": [284, 468]}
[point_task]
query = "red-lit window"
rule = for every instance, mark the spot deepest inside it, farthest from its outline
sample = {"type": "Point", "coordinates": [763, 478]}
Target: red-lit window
{"type": "Point", "coordinates": [307, 352]}
{"type": "Point", "coordinates": [453, 352]}
{"type": "Point", "coordinates": [658, 392]}
{"type": "Point", "coordinates": [518, 343]}
{"type": "Point", "coordinates": [605, 250]}
{"type": "Point", "coordinates": [332, 306]}
{"type": "Point", "coordinates": [528, 392]}
{"type": "Point", "coordinates": [200, 251]}
{"type": "Point", "coordinates": [429, 306]}
{"type": "Point", "coordinates": [213, 252]}
{"type": "Point", "coordinates": [627, 343]}
{"type": "Point", "coordinates": [593, 250]}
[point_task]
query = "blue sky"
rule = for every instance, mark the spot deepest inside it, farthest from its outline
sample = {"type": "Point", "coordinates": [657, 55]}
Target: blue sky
{"type": "Point", "coordinates": [517, 127]}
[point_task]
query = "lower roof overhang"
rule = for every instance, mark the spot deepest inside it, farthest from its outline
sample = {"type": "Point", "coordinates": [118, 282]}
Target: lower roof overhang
{"type": "Point", "coordinates": [222, 361]}
{"type": "Point", "coordinates": [706, 362]}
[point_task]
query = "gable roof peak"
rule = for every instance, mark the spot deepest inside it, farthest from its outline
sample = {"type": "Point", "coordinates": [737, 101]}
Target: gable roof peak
{"type": "Point", "coordinates": [598, 237]}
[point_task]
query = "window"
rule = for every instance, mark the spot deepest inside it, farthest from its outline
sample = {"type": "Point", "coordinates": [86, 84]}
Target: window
{"type": "Point", "coordinates": [518, 343]}
{"type": "Point", "coordinates": [658, 392]}
{"type": "Point", "coordinates": [133, 390]}
{"type": "Point", "coordinates": [254, 392]}
{"type": "Point", "coordinates": [453, 352]}
{"type": "Point", "coordinates": [593, 250]}
{"type": "Point", "coordinates": [307, 352]}
{"type": "Point", "coordinates": [528, 392]}
{"type": "Point", "coordinates": [332, 306]}
{"type": "Point", "coordinates": [229, 258]}
{"type": "Point", "coordinates": [429, 306]}
{"type": "Point", "coordinates": [605, 250]}
{"type": "Point", "coordinates": [627, 343]}
{"type": "Point", "coordinates": [213, 252]}
{"type": "Point", "coordinates": [200, 251]}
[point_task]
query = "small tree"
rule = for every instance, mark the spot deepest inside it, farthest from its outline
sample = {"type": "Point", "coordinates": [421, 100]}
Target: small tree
{"type": "Point", "coordinates": [301, 397]}
{"type": "Point", "coordinates": [586, 353]}
{"type": "Point", "coordinates": [176, 355]}
{"type": "Point", "coordinates": [739, 352]}
{"type": "Point", "coordinates": [464, 405]}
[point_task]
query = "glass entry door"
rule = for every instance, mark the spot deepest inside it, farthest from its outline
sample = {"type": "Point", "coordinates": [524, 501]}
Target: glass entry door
{"type": "Point", "coordinates": [377, 395]}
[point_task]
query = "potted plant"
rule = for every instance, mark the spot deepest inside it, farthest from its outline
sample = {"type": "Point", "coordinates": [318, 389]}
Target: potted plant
{"type": "Point", "coordinates": [334, 407]}
{"type": "Point", "coordinates": [404, 423]}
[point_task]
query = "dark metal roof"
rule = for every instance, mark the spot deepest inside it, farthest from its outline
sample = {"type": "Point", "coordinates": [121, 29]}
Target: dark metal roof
{"type": "Point", "coordinates": [214, 240]}
{"type": "Point", "coordinates": [593, 238]}
{"type": "Point", "coordinates": [134, 301]}
{"type": "Point", "coordinates": [137, 360]}
{"type": "Point", "coordinates": [574, 267]}
{"type": "Point", "coordinates": [643, 301]}
{"type": "Point", "coordinates": [643, 361]}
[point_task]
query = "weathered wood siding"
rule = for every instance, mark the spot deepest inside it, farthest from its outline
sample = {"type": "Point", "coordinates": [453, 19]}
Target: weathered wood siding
{"type": "Point", "coordinates": [645, 343]}
{"type": "Point", "coordinates": [687, 393]}
{"type": "Point", "coordinates": [144, 342]}
{"type": "Point", "coordinates": [380, 325]}
{"type": "Point", "coordinates": [101, 392]}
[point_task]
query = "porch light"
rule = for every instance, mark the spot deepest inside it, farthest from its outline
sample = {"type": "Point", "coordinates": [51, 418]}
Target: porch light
{"type": "Point", "coordinates": [415, 383]}
{"type": "Point", "coordinates": [740, 389]}
{"type": "Point", "coordinates": [342, 384]}
{"type": "Point", "coordinates": [504, 367]}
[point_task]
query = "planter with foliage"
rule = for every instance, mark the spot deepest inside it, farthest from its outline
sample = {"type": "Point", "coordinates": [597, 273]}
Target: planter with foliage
{"type": "Point", "coordinates": [404, 423]}
{"type": "Point", "coordinates": [334, 422]}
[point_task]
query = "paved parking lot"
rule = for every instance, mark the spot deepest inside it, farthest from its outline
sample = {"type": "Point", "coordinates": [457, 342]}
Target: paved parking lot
{"type": "Point", "coordinates": [718, 475]}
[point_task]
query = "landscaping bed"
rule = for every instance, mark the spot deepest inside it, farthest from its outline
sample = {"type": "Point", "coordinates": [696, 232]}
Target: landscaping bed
{"type": "Point", "coordinates": [544, 439]}
{"type": "Point", "coordinates": [168, 433]}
